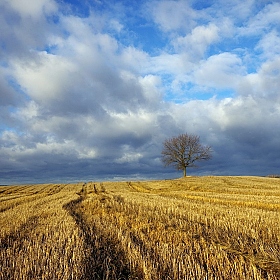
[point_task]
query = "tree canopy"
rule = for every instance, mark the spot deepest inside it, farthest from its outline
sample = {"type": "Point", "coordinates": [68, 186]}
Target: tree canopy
{"type": "Point", "coordinates": [184, 151]}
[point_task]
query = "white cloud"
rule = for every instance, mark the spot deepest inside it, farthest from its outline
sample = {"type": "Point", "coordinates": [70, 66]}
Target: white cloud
{"type": "Point", "coordinates": [139, 122]}
{"type": "Point", "coordinates": [151, 86]}
{"type": "Point", "coordinates": [263, 21]}
{"type": "Point", "coordinates": [133, 59]}
{"type": "Point", "coordinates": [222, 70]}
{"type": "Point", "coordinates": [237, 10]}
{"type": "Point", "coordinates": [265, 83]}
{"type": "Point", "coordinates": [128, 155]}
{"type": "Point", "coordinates": [173, 15]}
{"type": "Point", "coordinates": [269, 45]}
{"type": "Point", "coordinates": [197, 41]}
{"type": "Point", "coordinates": [116, 25]}
{"type": "Point", "coordinates": [87, 153]}
{"type": "Point", "coordinates": [45, 80]}
{"type": "Point", "coordinates": [34, 9]}
{"type": "Point", "coordinates": [174, 64]}
{"type": "Point", "coordinates": [20, 152]}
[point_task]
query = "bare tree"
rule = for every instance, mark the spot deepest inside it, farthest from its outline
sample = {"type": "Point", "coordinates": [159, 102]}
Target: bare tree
{"type": "Point", "coordinates": [183, 151]}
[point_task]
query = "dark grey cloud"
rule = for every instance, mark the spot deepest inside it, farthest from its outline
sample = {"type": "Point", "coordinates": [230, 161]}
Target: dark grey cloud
{"type": "Point", "coordinates": [77, 103]}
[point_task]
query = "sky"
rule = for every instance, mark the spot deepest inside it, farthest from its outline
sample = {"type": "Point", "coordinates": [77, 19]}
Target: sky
{"type": "Point", "coordinates": [89, 90]}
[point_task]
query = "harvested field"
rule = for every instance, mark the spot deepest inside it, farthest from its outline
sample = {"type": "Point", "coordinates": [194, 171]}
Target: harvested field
{"type": "Point", "coordinates": [190, 228]}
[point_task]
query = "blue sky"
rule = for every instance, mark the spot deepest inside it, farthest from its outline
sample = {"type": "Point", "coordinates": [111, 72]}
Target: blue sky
{"type": "Point", "coordinates": [90, 89]}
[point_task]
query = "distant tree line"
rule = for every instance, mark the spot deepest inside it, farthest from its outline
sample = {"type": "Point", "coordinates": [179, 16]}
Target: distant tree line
{"type": "Point", "coordinates": [273, 176]}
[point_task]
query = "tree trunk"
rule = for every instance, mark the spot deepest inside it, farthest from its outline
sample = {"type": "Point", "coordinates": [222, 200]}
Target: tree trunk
{"type": "Point", "coordinates": [185, 171]}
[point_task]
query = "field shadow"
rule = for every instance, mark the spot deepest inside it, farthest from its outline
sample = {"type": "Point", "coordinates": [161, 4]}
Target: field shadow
{"type": "Point", "coordinates": [20, 235]}
{"type": "Point", "coordinates": [104, 257]}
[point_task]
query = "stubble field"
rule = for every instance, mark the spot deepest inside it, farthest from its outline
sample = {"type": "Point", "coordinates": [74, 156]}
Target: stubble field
{"type": "Point", "coordinates": [189, 228]}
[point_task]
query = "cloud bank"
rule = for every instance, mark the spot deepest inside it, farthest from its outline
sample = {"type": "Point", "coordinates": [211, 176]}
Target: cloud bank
{"type": "Point", "coordinates": [90, 91]}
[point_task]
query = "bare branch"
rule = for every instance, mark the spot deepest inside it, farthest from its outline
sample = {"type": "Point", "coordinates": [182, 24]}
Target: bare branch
{"type": "Point", "coordinates": [183, 151]}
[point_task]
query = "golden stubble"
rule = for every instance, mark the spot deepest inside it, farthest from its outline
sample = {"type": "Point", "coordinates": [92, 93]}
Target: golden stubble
{"type": "Point", "coordinates": [191, 228]}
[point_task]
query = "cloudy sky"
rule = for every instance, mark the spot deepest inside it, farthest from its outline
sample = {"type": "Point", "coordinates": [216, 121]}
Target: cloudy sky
{"type": "Point", "coordinates": [90, 89]}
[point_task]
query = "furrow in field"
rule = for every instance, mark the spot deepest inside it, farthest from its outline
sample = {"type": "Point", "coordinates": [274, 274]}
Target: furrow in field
{"type": "Point", "coordinates": [193, 228]}
{"type": "Point", "coordinates": [105, 259]}
{"type": "Point", "coordinates": [43, 243]}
